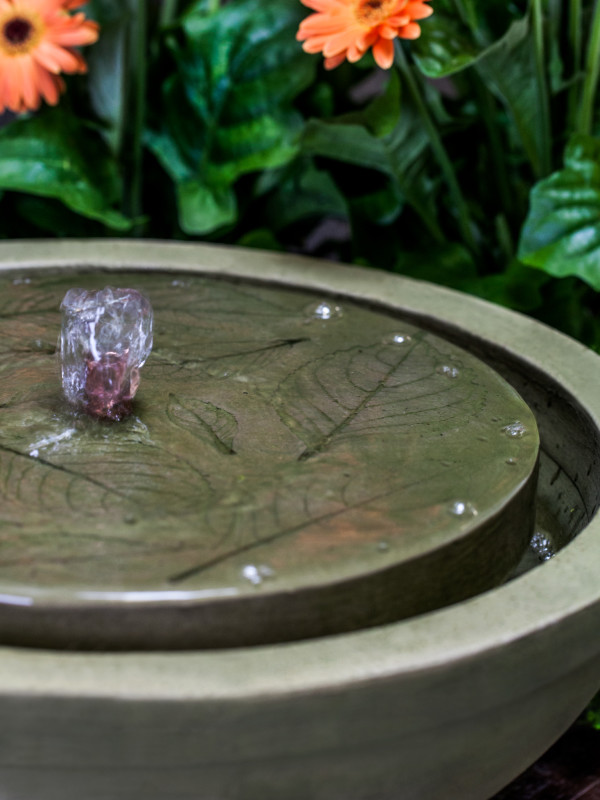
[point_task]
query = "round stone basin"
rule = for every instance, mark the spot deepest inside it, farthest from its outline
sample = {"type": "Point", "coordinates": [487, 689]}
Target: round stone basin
{"type": "Point", "coordinates": [294, 467]}
{"type": "Point", "coordinates": [450, 702]}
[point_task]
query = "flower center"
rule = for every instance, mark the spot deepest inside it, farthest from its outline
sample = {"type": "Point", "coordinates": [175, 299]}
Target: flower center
{"type": "Point", "coordinates": [17, 31]}
{"type": "Point", "coordinates": [373, 12]}
{"type": "Point", "coordinates": [19, 34]}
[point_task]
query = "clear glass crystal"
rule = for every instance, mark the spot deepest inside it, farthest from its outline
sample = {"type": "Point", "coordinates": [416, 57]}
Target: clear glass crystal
{"type": "Point", "coordinates": [106, 337]}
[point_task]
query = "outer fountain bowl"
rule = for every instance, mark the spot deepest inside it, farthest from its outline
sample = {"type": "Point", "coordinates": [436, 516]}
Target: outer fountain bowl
{"type": "Point", "coordinates": [452, 704]}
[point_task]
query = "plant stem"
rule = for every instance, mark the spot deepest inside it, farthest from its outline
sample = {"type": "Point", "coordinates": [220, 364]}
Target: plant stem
{"type": "Point", "coordinates": [592, 69]}
{"type": "Point", "coordinates": [439, 150]}
{"type": "Point", "coordinates": [487, 109]}
{"type": "Point", "coordinates": [137, 87]}
{"type": "Point", "coordinates": [575, 31]}
{"type": "Point", "coordinates": [168, 12]}
{"type": "Point", "coordinates": [542, 86]}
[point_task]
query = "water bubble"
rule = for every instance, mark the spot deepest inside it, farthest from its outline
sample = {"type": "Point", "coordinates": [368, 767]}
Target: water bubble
{"type": "Point", "coordinates": [398, 338]}
{"type": "Point", "coordinates": [324, 311]}
{"type": "Point", "coordinates": [383, 547]}
{"type": "Point", "coordinates": [461, 508]}
{"type": "Point", "coordinates": [257, 574]}
{"type": "Point", "coordinates": [516, 430]}
{"type": "Point", "coordinates": [542, 546]}
{"type": "Point", "coordinates": [512, 461]}
{"type": "Point", "coordinates": [448, 371]}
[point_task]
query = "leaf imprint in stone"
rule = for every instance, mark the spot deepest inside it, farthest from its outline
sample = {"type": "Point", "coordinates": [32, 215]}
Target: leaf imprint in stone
{"type": "Point", "coordinates": [106, 337]}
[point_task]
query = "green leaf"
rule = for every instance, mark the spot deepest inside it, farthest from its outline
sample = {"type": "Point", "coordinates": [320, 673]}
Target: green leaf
{"type": "Point", "coordinates": [397, 154]}
{"type": "Point", "coordinates": [107, 68]}
{"type": "Point", "coordinates": [458, 34]}
{"type": "Point", "coordinates": [229, 109]}
{"type": "Point", "coordinates": [381, 115]}
{"type": "Point", "coordinates": [593, 712]}
{"type": "Point", "coordinates": [448, 264]}
{"type": "Point", "coordinates": [509, 68]}
{"type": "Point", "coordinates": [561, 234]}
{"type": "Point", "coordinates": [203, 208]}
{"type": "Point", "coordinates": [303, 193]}
{"type": "Point", "coordinates": [54, 155]}
{"type": "Point", "coordinates": [445, 46]}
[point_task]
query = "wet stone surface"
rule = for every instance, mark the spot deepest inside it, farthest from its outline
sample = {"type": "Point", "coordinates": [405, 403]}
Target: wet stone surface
{"type": "Point", "coordinates": [272, 448]}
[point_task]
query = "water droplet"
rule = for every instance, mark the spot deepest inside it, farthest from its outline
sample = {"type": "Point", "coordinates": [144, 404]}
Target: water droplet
{"type": "Point", "coordinates": [257, 574]}
{"type": "Point", "coordinates": [516, 430]}
{"type": "Point", "coordinates": [398, 338]}
{"type": "Point", "coordinates": [461, 508]}
{"type": "Point", "coordinates": [178, 283]}
{"type": "Point", "coordinates": [383, 547]}
{"type": "Point", "coordinates": [448, 371]}
{"type": "Point", "coordinates": [324, 311]}
{"type": "Point", "coordinates": [34, 453]}
{"type": "Point", "coordinates": [20, 281]}
{"type": "Point", "coordinates": [512, 461]}
{"type": "Point", "coordinates": [542, 546]}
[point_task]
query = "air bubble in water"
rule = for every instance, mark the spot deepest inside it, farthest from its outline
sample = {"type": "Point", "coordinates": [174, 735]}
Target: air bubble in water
{"type": "Point", "coordinates": [516, 430]}
{"type": "Point", "coordinates": [461, 508]}
{"type": "Point", "coordinates": [324, 311]}
{"type": "Point", "coordinates": [542, 546]}
{"type": "Point", "coordinates": [398, 338]}
{"type": "Point", "coordinates": [448, 371]}
{"type": "Point", "coordinates": [257, 574]}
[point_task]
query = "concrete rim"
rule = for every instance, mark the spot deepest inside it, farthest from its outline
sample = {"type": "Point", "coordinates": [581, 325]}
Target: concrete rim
{"type": "Point", "coordinates": [525, 607]}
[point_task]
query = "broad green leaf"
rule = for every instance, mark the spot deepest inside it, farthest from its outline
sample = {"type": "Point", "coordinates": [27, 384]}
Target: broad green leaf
{"type": "Point", "coordinates": [303, 193]}
{"type": "Point", "coordinates": [458, 34]}
{"type": "Point", "coordinates": [449, 264]}
{"type": "Point", "coordinates": [509, 68]}
{"type": "Point", "coordinates": [381, 116]}
{"type": "Point", "coordinates": [203, 208]}
{"type": "Point", "coordinates": [54, 155]}
{"type": "Point", "coordinates": [107, 67]}
{"type": "Point", "coordinates": [444, 47]}
{"type": "Point", "coordinates": [229, 109]}
{"type": "Point", "coordinates": [396, 154]}
{"type": "Point", "coordinates": [517, 287]}
{"type": "Point", "coordinates": [561, 234]}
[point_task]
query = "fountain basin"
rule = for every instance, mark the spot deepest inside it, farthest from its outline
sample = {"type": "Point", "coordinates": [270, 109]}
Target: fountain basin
{"type": "Point", "coordinates": [453, 703]}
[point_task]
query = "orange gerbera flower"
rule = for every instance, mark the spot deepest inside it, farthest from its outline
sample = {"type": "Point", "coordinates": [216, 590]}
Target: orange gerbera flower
{"type": "Point", "coordinates": [37, 41]}
{"type": "Point", "coordinates": [347, 28]}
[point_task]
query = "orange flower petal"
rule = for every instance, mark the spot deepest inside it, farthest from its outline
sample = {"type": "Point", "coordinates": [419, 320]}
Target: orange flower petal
{"type": "Point", "coordinates": [417, 10]}
{"type": "Point", "coordinates": [335, 61]}
{"type": "Point", "coordinates": [383, 53]}
{"type": "Point", "coordinates": [410, 31]}
{"type": "Point", "coordinates": [35, 50]}
{"type": "Point", "coordinates": [345, 29]}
